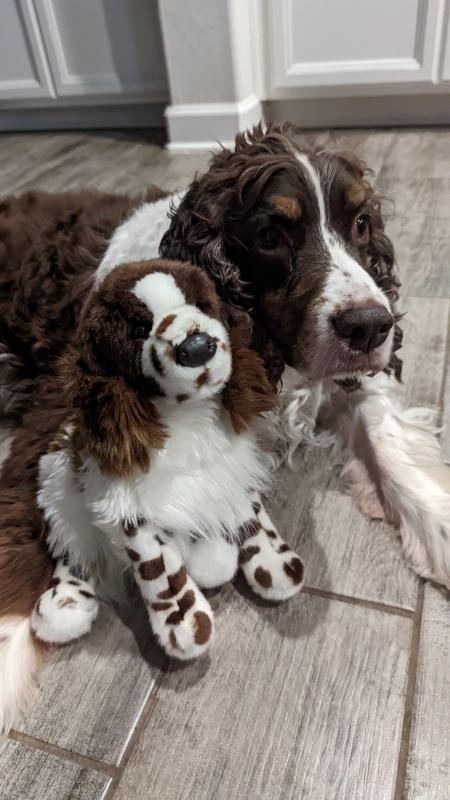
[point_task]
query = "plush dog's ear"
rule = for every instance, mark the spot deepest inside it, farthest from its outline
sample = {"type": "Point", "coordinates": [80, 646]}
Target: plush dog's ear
{"type": "Point", "coordinates": [248, 393]}
{"type": "Point", "coordinates": [112, 422]}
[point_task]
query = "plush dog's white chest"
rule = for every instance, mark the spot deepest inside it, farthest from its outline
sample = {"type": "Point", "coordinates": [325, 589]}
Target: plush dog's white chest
{"type": "Point", "coordinates": [198, 486]}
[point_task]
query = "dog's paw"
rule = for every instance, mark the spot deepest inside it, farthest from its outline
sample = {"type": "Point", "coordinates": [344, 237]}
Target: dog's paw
{"type": "Point", "coordinates": [271, 568]}
{"type": "Point", "coordinates": [64, 612]}
{"type": "Point", "coordinates": [183, 624]}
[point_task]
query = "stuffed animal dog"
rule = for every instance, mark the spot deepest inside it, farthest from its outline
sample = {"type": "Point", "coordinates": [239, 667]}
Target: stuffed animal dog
{"type": "Point", "coordinates": [157, 465]}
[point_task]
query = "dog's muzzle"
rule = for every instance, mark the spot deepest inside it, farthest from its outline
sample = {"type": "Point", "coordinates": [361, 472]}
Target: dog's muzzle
{"type": "Point", "coordinates": [196, 350]}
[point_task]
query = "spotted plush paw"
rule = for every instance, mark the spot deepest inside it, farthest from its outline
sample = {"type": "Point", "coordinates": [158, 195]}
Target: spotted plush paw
{"type": "Point", "coordinates": [183, 622]}
{"type": "Point", "coordinates": [272, 569]}
{"type": "Point", "coordinates": [64, 612]}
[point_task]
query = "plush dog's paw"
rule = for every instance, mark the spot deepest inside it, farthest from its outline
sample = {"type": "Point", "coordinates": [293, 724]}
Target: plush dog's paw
{"type": "Point", "coordinates": [271, 568]}
{"type": "Point", "coordinates": [183, 624]}
{"type": "Point", "coordinates": [64, 612]}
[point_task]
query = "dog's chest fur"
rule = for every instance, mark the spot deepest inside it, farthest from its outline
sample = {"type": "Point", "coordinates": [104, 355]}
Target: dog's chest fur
{"type": "Point", "coordinates": [198, 486]}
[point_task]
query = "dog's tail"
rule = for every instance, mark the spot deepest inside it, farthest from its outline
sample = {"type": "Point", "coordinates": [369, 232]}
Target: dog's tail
{"type": "Point", "coordinates": [20, 658]}
{"type": "Point", "coordinates": [399, 470]}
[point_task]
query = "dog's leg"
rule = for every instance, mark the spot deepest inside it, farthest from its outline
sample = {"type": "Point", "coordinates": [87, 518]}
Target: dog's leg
{"type": "Point", "coordinates": [398, 466]}
{"type": "Point", "coordinates": [67, 610]}
{"type": "Point", "coordinates": [272, 569]}
{"type": "Point", "coordinates": [179, 613]}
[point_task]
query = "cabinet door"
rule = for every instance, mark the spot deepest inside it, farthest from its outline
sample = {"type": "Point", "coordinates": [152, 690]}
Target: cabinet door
{"type": "Point", "coordinates": [345, 43]}
{"type": "Point", "coordinates": [24, 72]}
{"type": "Point", "coordinates": [104, 47]}
{"type": "Point", "coordinates": [446, 64]}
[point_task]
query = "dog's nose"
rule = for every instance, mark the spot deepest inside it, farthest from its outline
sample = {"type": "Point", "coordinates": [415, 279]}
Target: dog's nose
{"type": "Point", "coordinates": [196, 350]}
{"type": "Point", "coordinates": [364, 328]}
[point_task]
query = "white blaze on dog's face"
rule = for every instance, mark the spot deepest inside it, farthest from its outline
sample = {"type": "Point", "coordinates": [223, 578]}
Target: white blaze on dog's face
{"type": "Point", "coordinates": [158, 325]}
{"type": "Point", "coordinates": [187, 351]}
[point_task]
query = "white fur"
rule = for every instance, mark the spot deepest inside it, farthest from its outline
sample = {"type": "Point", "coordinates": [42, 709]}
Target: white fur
{"type": "Point", "coordinates": [160, 293]}
{"type": "Point", "coordinates": [398, 456]}
{"type": "Point", "coordinates": [19, 663]}
{"type": "Point", "coordinates": [198, 484]}
{"type": "Point", "coordinates": [138, 237]}
{"type": "Point", "coordinates": [211, 564]}
{"type": "Point", "coordinates": [65, 611]}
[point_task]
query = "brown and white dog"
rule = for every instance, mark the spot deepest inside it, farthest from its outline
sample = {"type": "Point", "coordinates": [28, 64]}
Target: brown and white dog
{"type": "Point", "coordinates": [293, 236]}
{"type": "Point", "coordinates": [155, 466]}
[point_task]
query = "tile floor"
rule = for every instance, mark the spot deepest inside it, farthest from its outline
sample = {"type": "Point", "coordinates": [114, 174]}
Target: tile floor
{"type": "Point", "coordinates": [342, 694]}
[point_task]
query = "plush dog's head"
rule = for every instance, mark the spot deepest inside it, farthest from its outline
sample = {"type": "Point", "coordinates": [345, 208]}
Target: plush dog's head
{"type": "Point", "coordinates": [152, 331]}
{"type": "Point", "coordinates": [297, 236]}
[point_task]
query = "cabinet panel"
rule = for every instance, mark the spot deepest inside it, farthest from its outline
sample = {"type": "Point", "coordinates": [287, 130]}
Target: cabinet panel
{"type": "Point", "coordinates": [104, 47]}
{"type": "Point", "coordinates": [446, 65]}
{"type": "Point", "coordinates": [23, 70]}
{"type": "Point", "coordinates": [352, 43]}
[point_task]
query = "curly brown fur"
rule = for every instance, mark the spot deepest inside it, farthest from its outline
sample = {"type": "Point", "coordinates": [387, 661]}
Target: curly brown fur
{"type": "Point", "coordinates": [50, 246]}
{"type": "Point", "coordinates": [25, 567]}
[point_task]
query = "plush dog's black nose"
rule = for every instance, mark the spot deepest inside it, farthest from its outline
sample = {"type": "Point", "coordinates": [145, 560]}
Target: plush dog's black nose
{"type": "Point", "coordinates": [364, 328]}
{"type": "Point", "coordinates": [196, 350]}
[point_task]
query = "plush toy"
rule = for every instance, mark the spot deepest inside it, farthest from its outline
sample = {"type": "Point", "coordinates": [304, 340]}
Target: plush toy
{"type": "Point", "coordinates": [157, 464]}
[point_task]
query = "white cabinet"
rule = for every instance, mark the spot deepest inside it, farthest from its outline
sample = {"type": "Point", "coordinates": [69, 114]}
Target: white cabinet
{"type": "Point", "coordinates": [354, 46]}
{"type": "Point", "coordinates": [68, 51]}
{"type": "Point", "coordinates": [104, 47]}
{"type": "Point", "coordinates": [24, 73]}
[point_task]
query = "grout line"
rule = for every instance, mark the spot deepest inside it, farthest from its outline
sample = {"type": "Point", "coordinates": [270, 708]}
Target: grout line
{"type": "Point", "coordinates": [145, 714]}
{"type": "Point", "coordinates": [402, 764]}
{"type": "Point", "coordinates": [359, 601]}
{"type": "Point", "coordinates": [60, 752]}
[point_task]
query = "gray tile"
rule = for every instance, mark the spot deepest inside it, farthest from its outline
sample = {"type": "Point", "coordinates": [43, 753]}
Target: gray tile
{"type": "Point", "coordinates": [428, 771]}
{"type": "Point", "coordinates": [28, 774]}
{"type": "Point", "coordinates": [92, 692]}
{"type": "Point", "coordinates": [343, 550]}
{"type": "Point", "coordinates": [424, 352]}
{"type": "Point", "coordinates": [299, 700]}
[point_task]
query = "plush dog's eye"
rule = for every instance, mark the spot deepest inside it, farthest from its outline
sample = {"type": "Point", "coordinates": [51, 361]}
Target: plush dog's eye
{"type": "Point", "coordinates": [269, 238]}
{"type": "Point", "coordinates": [361, 228]}
{"type": "Point", "coordinates": [141, 330]}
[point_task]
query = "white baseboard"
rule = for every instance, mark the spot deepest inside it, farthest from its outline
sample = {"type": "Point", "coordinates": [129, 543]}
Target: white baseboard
{"type": "Point", "coordinates": [139, 115]}
{"type": "Point", "coordinates": [206, 126]}
{"type": "Point", "coordinates": [361, 112]}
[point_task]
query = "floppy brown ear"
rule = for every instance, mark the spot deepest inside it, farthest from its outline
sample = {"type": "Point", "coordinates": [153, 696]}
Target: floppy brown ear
{"type": "Point", "coordinates": [248, 392]}
{"type": "Point", "coordinates": [113, 422]}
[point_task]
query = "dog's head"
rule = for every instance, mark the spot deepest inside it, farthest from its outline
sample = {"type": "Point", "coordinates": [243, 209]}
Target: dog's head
{"type": "Point", "coordinates": [153, 333]}
{"type": "Point", "coordinates": [298, 237]}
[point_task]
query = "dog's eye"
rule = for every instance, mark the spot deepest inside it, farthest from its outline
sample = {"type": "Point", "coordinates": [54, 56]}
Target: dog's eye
{"type": "Point", "coordinates": [361, 228]}
{"type": "Point", "coordinates": [141, 330]}
{"type": "Point", "coordinates": [269, 238]}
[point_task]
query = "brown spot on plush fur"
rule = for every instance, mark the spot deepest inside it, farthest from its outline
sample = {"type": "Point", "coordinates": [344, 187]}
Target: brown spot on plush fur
{"type": "Point", "coordinates": [202, 378]}
{"type": "Point", "coordinates": [181, 398]}
{"type": "Point", "coordinates": [246, 553]}
{"type": "Point", "coordinates": [132, 554]}
{"type": "Point", "coordinates": [186, 602]}
{"type": "Point", "coordinates": [156, 362]}
{"type": "Point", "coordinates": [248, 529]}
{"type": "Point", "coordinates": [203, 627]}
{"type": "Point", "coordinates": [173, 639]}
{"type": "Point", "coordinates": [152, 569]}
{"type": "Point", "coordinates": [294, 570]}
{"type": "Point", "coordinates": [263, 577]}
{"type": "Point", "coordinates": [164, 324]}
{"type": "Point", "coordinates": [177, 580]}
{"type": "Point", "coordinates": [166, 594]}
{"type": "Point", "coordinates": [161, 606]}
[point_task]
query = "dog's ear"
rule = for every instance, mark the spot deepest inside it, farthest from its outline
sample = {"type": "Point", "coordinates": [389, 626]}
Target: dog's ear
{"type": "Point", "coordinates": [196, 234]}
{"type": "Point", "coordinates": [248, 393]}
{"type": "Point", "coordinates": [115, 421]}
{"type": "Point", "coordinates": [112, 422]}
